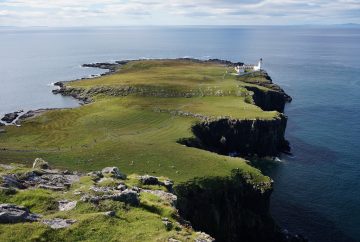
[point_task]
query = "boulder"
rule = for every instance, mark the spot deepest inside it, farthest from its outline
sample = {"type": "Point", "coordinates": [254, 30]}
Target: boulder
{"type": "Point", "coordinates": [95, 175]}
{"type": "Point", "coordinates": [40, 164]}
{"type": "Point", "coordinates": [203, 237]}
{"type": "Point", "coordinates": [149, 180]}
{"type": "Point", "coordinates": [10, 213]}
{"type": "Point", "coordinates": [128, 196]}
{"type": "Point", "coordinates": [12, 181]}
{"type": "Point", "coordinates": [66, 205]}
{"type": "Point", "coordinates": [165, 196]}
{"type": "Point", "coordinates": [114, 172]}
{"type": "Point", "coordinates": [58, 223]}
{"type": "Point", "coordinates": [10, 117]}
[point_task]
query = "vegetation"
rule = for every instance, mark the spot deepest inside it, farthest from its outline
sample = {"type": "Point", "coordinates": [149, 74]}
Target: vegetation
{"type": "Point", "coordinates": [141, 223]}
{"type": "Point", "coordinates": [138, 132]}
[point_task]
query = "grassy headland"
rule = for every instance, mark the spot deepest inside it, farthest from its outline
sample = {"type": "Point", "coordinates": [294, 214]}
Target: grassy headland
{"type": "Point", "coordinates": [138, 132]}
{"type": "Point", "coordinates": [135, 119]}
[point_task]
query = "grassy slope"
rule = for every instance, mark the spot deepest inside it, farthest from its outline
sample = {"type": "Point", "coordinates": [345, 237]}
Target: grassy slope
{"type": "Point", "coordinates": [130, 132]}
{"type": "Point", "coordinates": [141, 223]}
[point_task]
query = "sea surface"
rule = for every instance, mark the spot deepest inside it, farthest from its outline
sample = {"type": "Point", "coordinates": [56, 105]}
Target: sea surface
{"type": "Point", "coordinates": [317, 190]}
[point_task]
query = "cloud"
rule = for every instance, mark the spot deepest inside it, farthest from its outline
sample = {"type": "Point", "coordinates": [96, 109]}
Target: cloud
{"type": "Point", "coordinates": [142, 12]}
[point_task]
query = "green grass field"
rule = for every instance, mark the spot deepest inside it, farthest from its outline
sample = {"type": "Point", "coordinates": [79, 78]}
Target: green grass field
{"type": "Point", "coordinates": [138, 132]}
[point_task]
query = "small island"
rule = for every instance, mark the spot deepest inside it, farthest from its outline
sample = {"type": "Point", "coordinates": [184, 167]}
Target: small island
{"type": "Point", "coordinates": [158, 152]}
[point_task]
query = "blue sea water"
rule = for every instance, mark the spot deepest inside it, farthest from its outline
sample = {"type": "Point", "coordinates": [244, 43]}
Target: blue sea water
{"type": "Point", "coordinates": [317, 190]}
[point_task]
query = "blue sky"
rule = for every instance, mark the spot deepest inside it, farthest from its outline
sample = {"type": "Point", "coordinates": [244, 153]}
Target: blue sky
{"type": "Point", "coordinates": [176, 12]}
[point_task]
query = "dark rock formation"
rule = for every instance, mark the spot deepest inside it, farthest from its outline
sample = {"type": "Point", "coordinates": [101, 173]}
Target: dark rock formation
{"type": "Point", "coordinates": [153, 180]}
{"type": "Point", "coordinates": [268, 100]}
{"type": "Point", "coordinates": [229, 209]}
{"type": "Point", "coordinates": [31, 113]}
{"type": "Point", "coordinates": [10, 117]}
{"type": "Point", "coordinates": [241, 137]}
{"type": "Point", "coordinates": [10, 213]}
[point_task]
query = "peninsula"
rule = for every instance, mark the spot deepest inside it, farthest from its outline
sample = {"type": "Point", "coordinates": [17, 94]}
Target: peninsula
{"type": "Point", "coordinates": [166, 143]}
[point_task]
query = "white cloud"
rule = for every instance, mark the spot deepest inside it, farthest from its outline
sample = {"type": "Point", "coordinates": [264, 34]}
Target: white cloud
{"type": "Point", "coordinates": [128, 12]}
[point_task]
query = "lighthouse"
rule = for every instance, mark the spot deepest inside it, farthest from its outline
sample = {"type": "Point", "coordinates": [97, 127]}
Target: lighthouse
{"type": "Point", "coordinates": [258, 67]}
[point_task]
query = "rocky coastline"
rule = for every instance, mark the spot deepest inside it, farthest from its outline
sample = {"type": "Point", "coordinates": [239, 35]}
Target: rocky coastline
{"type": "Point", "coordinates": [230, 208]}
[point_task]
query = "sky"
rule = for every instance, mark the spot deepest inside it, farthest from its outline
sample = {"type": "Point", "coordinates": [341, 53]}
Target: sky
{"type": "Point", "coordinates": [176, 12]}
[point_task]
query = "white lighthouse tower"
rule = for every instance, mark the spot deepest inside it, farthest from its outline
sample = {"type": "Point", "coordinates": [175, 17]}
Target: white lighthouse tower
{"type": "Point", "coordinates": [258, 67]}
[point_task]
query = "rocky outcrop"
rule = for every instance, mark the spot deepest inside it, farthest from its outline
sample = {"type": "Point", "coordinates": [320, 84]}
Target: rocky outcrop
{"type": "Point", "coordinates": [58, 223]}
{"type": "Point", "coordinates": [241, 137]}
{"type": "Point", "coordinates": [10, 117]}
{"type": "Point", "coordinates": [153, 180]}
{"type": "Point", "coordinates": [10, 213]}
{"type": "Point", "coordinates": [267, 95]}
{"type": "Point", "coordinates": [113, 172]}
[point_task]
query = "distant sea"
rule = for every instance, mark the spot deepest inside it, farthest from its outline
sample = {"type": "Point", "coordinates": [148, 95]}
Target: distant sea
{"type": "Point", "coordinates": [317, 190]}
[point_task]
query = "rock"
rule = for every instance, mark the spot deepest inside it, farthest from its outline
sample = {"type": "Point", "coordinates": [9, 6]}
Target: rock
{"type": "Point", "coordinates": [203, 237]}
{"type": "Point", "coordinates": [95, 175]}
{"type": "Point", "coordinates": [121, 187]}
{"type": "Point", "coordinates": [53, 181]}
{"type": "Point", "coordinates": [168, 224]}
{"type": "Point", "coordinates": [58, 223]}
{"type": "Point", "coordinates": [10, 117]}
{"type": "Point", "coordinates": [168, 184]}
{"type": "Point", "coordinates": [12, 181]}
{"type": "Point", "coordinates": [40, 164]}
{"type": "Point", "coordinates": [149, 180]}
{"type": "Point", "coordinates": [2, 131]}
{"type": "Point", "coordinates": [173, 240]}
{"type": "Point", "coordinates": [128, 196]}
{"type": "Point", "coordinates": [114, 172]}
{"type": "Point", "coordinates": [165, 196]}
{"type": "Point", "coordinates": [110, 213]}
{"type": "Point", "coordinates": [10, 213]}
{"type": "Point", "coordinates": [49, 187]}
{"type": "Point", "coordinates": [66, 205]}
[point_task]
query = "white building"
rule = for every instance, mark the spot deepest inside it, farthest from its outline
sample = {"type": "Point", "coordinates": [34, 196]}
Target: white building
{"type": "Point", "coordinates": [243, 68]}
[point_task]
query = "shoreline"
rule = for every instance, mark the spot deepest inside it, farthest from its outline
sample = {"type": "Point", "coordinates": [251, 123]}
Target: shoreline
{"type": "Point", "coordinates": [113, 68]}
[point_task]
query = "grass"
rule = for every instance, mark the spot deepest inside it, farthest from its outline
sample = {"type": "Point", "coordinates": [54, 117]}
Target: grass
{"type": "Point", "coordinates": [138, 133]}
{"type": "Point", "coordinates": [142, 223]}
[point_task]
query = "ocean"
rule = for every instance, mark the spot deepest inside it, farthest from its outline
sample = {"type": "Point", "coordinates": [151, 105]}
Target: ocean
{"type": "Point", "coordinates": [317, 189]}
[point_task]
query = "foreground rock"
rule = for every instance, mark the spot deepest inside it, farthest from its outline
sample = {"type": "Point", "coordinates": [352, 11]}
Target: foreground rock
{"type": "Point", "coordinates": [45, 178]}
{"type": "Point", "coordinates": [10, 117]}
{"type": "Point", "coordinates": [128, 196]}
{"type": "Point", "coordinates": [10, 213]}
{"type": "Point", "coordinates": [113, 172]}
{"type": "Point", "coordinates": [58, 223]}
{"type": "Point", "coordinates": [153, 180]}
{"type": "Point", "coordinates": [66, 205]}
{"type": "Point", "coordinates": [40, 164]}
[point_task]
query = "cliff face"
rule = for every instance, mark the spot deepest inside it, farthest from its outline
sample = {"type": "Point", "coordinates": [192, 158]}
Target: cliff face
{"type": "Point", "coordinates": [268, 100]}
{"type": "Point", "coordinates": [229, 209]}
{"type": "Point", "coordinates": [241, 137]}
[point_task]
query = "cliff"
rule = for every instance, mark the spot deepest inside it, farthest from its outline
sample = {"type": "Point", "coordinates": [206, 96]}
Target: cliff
{"type": "Point", "coordinates": [241, 137]}
{"type": "Point", "coordinates": [230, 209]}
{"type": "Point", "coordinates": [140, 108]}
